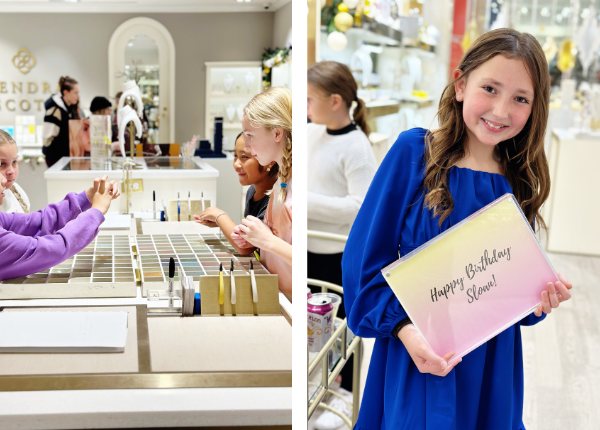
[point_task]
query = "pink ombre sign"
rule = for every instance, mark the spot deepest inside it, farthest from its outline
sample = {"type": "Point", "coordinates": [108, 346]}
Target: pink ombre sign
{"type": "Point", "coordinates": [476, 279]}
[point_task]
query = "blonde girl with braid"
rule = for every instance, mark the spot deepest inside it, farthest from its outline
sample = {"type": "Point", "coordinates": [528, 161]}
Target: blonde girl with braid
{"type": "Point", "coordinates": [267, 126]}
{"type": "Point", "coordinates": [15, 198]}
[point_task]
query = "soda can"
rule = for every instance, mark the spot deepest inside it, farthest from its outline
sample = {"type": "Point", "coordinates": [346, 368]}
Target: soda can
{"type": "Point", "coordinates": [320, 322]}
{"type": "Point", "coordinates": [308, 293]}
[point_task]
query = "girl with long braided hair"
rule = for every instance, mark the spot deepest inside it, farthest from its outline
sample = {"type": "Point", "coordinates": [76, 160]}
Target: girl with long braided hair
{"type": "Point", "coordinates": [267, 126]}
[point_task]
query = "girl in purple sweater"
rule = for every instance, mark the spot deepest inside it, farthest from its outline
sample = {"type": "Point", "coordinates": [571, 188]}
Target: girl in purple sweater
{"type": "Point", "coordinates": [34, 242]}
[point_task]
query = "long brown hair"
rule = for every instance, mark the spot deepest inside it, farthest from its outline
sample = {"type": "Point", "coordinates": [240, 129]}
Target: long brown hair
{"type": "Point", "coordinates": [522, 158]}
{"type": "Point", "coordinates": [332, 77]}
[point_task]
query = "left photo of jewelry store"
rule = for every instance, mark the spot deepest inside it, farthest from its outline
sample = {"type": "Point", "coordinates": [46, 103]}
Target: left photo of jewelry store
{"type": "Point", "coordinates": [145, 214]}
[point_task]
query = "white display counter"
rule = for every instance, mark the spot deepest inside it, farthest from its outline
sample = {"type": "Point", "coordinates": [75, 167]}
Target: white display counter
{"type": "Point", "coordinates": [135, 408]}
{"type": "Point", "coordinates": [165, 175]}
{"type": "Point", "coordinates": [571, 211]}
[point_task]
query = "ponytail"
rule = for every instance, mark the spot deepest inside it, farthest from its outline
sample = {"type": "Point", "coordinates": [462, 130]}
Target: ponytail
{"type": "Point", "coordinates": [332, 77]}
{"type": "Point", "coordinates": [360, 116]}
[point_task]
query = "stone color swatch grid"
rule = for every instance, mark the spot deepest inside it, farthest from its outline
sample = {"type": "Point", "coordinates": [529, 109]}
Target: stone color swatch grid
{"type": "Point", "coordinates": [195, 255]}
{"type": "Point", "coordinates": [107, 259]}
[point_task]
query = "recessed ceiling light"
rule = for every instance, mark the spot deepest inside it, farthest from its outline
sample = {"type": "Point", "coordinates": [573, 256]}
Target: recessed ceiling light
{"type": "Point", "coordinates": [240, 1]}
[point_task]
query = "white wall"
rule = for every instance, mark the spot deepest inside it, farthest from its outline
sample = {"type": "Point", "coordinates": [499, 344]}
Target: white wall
{"type": "Point", "coordinates": [77, 45]}
{"type": "Point", "coordinates": [282, 27]}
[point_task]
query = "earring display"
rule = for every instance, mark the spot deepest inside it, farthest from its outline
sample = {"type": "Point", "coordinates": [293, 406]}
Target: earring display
{"type": "Point", "coordinates": [228, 82]}
{"type": "Point", "coordinates": [240, 111]}
{"type": "Point", "coordinates": [230, 111]}
{"type": "Point", "coordinates": [250, 77]}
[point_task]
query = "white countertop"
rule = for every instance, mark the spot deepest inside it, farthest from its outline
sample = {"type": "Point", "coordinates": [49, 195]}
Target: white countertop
{"type": "Point", "coordinates": [205, 171]}
{"type": "Point", "coordinates": [176, 407]}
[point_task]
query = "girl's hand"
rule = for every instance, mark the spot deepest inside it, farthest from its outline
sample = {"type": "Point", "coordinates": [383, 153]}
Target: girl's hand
{"type": "Point", "coordinates": [423, 356]}
{"type": "Point", "coordinates": [208, 216]}
{"type": "Point", "coordinates": [102, 197]}
{"type": "Point", "coordinates": [199, 220]}
{"type": "Point", "coordinates": [112, 187]}
{"type": "Point", "coordinates": [255, 231]}
{"type": "Point", "coordinates": [238, 239]}
{"type": "Point", "coordinates": [92, 190]}
{"type": "Point", "coordinates": [554, 295]}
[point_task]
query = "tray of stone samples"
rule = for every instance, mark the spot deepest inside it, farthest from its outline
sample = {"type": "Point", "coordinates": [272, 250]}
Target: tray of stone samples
{"type": "Point", "coordinates": [104, 268]}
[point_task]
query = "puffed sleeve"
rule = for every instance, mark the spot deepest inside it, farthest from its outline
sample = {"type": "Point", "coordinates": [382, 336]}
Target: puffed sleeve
{"type": "Point", "coordinates": [33, 242]}
{"type": "Point", "coordinates": [372, 308]}
{"type": "Point", "coordinates": [531, 319]}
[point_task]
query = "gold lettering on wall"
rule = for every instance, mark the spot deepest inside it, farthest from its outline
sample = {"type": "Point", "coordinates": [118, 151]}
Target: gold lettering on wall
{"type": "Point", "coordinates": [39, 102]}
{"type": "Point", "coordinates": [24, 103]}
{"type": "Point", "coordinates": [46, 88]}
{"type": "Point", "coordinates": [13, 106]}
{"type": "Point", "coordinates": [31, 85]}
{"type": "Point", "coordinates": [17, 86]}
{"type": "Point", "coordinates": [3, 87]}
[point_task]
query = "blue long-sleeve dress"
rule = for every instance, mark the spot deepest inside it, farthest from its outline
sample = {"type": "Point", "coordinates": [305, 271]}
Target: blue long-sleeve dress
{"type": "Point", "coordinates": [485, 390]}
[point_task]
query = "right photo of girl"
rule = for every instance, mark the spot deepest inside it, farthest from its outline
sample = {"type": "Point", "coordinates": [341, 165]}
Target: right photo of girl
{"type": "Point", "coordinates": [411, 144]}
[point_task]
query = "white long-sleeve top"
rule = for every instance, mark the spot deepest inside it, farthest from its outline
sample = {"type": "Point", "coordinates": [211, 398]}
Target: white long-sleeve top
{"type": "Point", "coordinates": [341, 166]}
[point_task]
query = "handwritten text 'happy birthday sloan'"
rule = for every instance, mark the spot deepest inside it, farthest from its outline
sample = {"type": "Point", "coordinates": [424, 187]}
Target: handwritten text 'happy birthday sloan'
{"type": "Point", "coordinates": [474, 292]}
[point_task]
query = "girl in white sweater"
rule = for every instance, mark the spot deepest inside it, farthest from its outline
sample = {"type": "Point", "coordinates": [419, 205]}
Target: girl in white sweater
{"type": "Point", "coordinates": [341, 165]}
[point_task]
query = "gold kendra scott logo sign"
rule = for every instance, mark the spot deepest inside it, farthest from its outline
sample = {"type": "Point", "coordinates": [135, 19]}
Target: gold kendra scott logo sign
{"type": "Point", "coordinates": [23, 60]}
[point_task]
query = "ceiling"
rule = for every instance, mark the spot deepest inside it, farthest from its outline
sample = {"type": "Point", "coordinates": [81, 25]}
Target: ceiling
{"type": "Point", "coordinates": [141, 6]}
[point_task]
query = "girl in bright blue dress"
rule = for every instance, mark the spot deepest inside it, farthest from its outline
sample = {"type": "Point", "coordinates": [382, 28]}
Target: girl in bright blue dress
{"type": "Point", "coordinates": [490, 142]}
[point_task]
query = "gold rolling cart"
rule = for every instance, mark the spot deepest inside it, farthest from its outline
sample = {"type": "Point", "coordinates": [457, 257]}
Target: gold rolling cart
{"type": "Point", "coordinates": [334, 355]}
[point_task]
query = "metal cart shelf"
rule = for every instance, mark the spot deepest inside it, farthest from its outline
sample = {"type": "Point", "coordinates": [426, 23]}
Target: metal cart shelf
{"type": "Point", "coordinates": [326, 365]}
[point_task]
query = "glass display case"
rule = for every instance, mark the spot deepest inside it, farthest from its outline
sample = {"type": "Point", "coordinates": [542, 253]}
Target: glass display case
{"type": "Point", "coordinates": [149, 163]}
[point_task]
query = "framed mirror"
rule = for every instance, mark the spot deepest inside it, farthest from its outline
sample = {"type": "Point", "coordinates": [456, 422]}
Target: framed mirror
{"type": "Point", "coordinates": [143, 50]}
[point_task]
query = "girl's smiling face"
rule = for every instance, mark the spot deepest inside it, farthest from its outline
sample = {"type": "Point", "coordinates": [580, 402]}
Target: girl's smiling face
{"type": "Point", "coordinates": [245, 165]}
{"type": "Point", "coordinates": [9, 167]}
{"type": "Point", "coordinates": [497, 100]}
{"type": "Point", "coordinates": [265, 145]}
